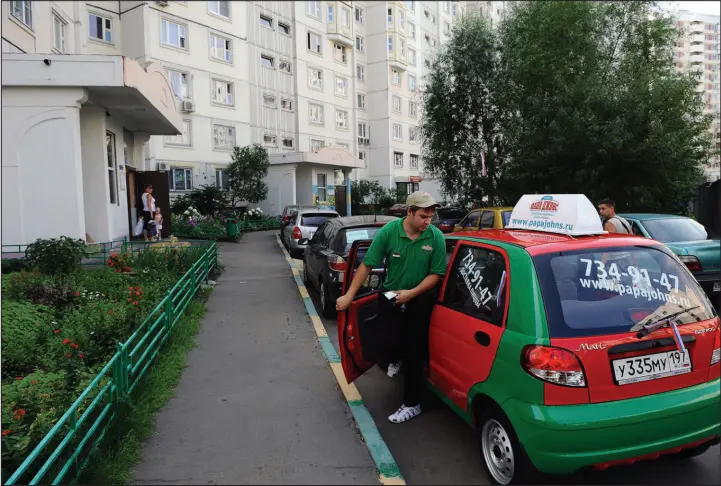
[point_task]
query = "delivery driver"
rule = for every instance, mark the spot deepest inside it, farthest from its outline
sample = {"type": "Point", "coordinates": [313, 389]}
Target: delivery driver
{"type": "Point", "coordinates": [415, 254]}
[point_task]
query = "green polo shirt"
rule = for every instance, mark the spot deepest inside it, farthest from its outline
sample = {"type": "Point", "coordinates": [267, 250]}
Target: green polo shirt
{"type": "Point", "coordinates": [408, 261]}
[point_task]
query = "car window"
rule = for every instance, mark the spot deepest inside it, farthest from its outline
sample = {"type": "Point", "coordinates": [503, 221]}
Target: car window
{"type": "Point", "coordinates": [487, 219]}
{"type": "Point", "coordinates": [506, 215]}
{"type": "Point", "coordinates": [472, 219]}
{"type": "Point", "coordinates": [319, 236]}
{"type": "Point", "coordinates": [676, 229]}
{"type": "Point", "coordinates": [636, 229]}
{"type": "Point", "coordinates": [347, 236]}
{"type": "Point", "coordinates": [328, 234]}
{"type": "Point", "coordinates": [612, 290]}
{"type": "Point", "coordinates": [476, 279]}
{"type": "Point", "coordinates": [316, 219]}
{"type": "Point", "coordinates": [449, 214]}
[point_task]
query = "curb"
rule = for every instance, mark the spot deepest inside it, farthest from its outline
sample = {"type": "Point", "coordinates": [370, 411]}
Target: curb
{"type": "Point", "coordinates": [388, 471]}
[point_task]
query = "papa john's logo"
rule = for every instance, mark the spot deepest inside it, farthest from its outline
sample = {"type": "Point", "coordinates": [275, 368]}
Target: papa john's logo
{"type": "Point", "coordinates": [546, 203]}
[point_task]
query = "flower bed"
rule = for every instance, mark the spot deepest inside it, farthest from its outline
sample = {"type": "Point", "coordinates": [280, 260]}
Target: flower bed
{"type": "Point", "coordinates": [192, 224]}
{"type": "Point", "coordinates": [59, 332]}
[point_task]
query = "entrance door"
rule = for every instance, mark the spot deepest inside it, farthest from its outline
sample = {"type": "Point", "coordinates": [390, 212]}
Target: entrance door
{"type": "Point", "coordinates": [132, 195]}
{"type": "Point", "coordinates": [161, 193]}
{"type": "Point", "coordinates": [340, 200]}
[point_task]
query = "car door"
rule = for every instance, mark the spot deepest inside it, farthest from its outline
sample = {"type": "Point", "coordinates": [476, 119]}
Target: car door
{"type": "Point", "coordinates": [312, 252]}
{"type": "Point", "coordinates": [468, 322]}
{"type": "Point", "coordinates": [488, 218]}
{"type": "Point", "coordinates": [360, 332]}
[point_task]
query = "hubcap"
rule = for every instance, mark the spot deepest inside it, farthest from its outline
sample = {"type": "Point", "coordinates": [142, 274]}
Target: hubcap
{"type": "Point", "coordinates": [497, 451]}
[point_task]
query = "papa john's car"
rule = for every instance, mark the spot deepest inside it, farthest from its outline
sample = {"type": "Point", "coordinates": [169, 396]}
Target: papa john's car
{"type": "Point", "coordinates": [564, 347]}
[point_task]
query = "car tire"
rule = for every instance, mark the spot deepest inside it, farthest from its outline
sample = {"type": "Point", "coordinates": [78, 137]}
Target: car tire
{"type": "Point", "coordinates": [504, 458]}
{"type": "Point", "coordinates": [327, 306]}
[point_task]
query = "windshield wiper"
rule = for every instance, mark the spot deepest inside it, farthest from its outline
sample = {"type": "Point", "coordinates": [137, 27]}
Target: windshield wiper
{"type": "Point", "coordinates": [649, 328]}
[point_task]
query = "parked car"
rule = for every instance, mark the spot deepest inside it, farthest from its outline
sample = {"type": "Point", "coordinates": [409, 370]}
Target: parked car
{"type": "Point", "coordinates": [697, 246]}
{"type": "Point", "coordinates": [303, 225]}
{"type": "Point", "coordinates": [398, 210]}
{"type": "Point", "coordinates": [485, 218]}
{"type": "Point", "coordinates": [445, 219]}
{"type": "Point", "coordinates": [565, 349]}
{"type": "Point", "coordinates": [325, 256]}
{"type": "Point", "coordinates": [288, 212]}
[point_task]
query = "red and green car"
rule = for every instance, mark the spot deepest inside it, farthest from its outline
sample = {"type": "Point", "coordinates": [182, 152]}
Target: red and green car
{"type": "Point", "coordinates": [564, 353]}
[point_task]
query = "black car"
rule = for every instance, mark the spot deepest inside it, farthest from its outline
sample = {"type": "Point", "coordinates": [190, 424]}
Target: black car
{"type": "Point", "coordinates": [445, 219]}
{"type": "Point", "coordinates": [324, 258]}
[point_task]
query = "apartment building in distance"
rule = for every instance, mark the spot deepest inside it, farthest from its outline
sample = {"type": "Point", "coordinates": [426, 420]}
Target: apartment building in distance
{"type": "Point", "coordinates": [697, 49]}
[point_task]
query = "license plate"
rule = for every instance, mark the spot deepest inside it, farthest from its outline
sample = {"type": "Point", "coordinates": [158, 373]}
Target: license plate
{"type": "Point", "coordinates": [717, 286]}
{"type": "Point", "coordinates": [651, 367]}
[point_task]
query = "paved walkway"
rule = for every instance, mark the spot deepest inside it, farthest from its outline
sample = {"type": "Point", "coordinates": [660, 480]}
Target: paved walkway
{"type": "Point", "coordinates": [257, 403]}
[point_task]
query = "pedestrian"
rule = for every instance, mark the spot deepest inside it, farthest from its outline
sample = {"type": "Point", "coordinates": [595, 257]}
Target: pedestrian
{"type": "Point", "coordinates": [612, 222]}
{"type": "Point", "coordinates": [148, 209]}
{"type": "Point", "coordinates": [415, 255]}
{"type": "Point", "coordinates": [158, 223]}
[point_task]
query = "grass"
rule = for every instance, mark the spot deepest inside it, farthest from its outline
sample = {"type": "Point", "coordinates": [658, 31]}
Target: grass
{"type": "Point", "coordinates": [123, 446]}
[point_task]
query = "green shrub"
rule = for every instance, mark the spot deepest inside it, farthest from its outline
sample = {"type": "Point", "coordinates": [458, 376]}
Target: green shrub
{"type": "Point", "coordinates": [56, 256]}
{"type": "Point", "coordinates": [10, 265]}
{"type": "Point", "coordinates": [25, 329]}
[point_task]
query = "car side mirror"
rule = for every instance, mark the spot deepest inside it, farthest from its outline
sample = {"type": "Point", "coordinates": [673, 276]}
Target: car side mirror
{"type": "Point", "coordinates": [303, 241]}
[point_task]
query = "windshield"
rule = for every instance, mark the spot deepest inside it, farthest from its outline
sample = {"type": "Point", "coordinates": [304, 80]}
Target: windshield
{"type": "Point", "coordinates": [506, 217]}
{"type": "Point", "coordinates": [450, 214]}
{"type": "Point", "coordinates": [348, 236]}
{"type": "Point", "coordinates": [316, 219]}
{"type": "Point", "coordinates": [676, 229]}
{"type": "Point", "coordinates": [611, 290]}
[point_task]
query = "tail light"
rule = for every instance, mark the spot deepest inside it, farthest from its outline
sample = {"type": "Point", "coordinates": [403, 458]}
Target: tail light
{"type": "Point", "coordinates": [336, 263]}
{"type": "Point", "coordinates": [554, 365]}
{"type": "Point", "coordinates": [716, 354]}
{"type": "Point", "coordinates": [297, 234]}
{"type": "Point", "coordinates": [691, 262]}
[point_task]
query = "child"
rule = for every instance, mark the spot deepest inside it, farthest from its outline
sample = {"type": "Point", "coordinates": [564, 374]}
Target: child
{"type": "Point", "coordinates": [158, 223]}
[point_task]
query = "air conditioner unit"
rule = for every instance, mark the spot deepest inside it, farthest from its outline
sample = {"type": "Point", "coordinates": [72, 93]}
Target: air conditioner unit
{"type": "Point", "coordinates": [363, 141]}
{"type": "Point", "coordinates": [162, 166]}
{"type": "Point", "coordinates": [188, 106]}
{"type": "Point", "coordinates": [161, 3]}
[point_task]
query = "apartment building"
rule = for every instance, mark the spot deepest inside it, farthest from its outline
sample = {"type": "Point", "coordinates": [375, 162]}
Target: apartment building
{"type": "Point", "coordinates": [697, 49]}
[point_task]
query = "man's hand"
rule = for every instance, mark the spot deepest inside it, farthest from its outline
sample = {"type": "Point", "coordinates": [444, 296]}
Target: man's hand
{"type": "Point", "coordinates": [403, 296]}
{"type": "Point", "coordinates": [343, 302]}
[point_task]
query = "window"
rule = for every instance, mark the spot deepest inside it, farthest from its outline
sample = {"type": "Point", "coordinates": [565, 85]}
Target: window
{"type": "Point", "coordinates": [341, 86]}
{"type": "Point", "coordinates": [447, 7]}
{"type": "Point", "coordinates": [413, 134]}
{"type": "Point", "coordinates": [315, 78]}
{"type": "Point", "coordinates": [313, 8]}
{"type": "Point", "coordinates": [397, 131]}
{"type": "Point", "coordinates": [220, 49]}
{"type": "Point", "coordinates": [487, 218]}
{"type": "Point", "coordinates": [284, 28]}
{"type": "Point", "coordinates": [266, 61]}
{"type": "Point", "coordinates": [339, 54]}
{"type": "Point", "coordinates": [412, 109]}
{"type": "Point", "coordinates": [345, 17]}
{"type": "Point", "coordinates": [266, 21]}
{"type": "Point", "coordinates": [173, 34]}
{"type": "Point", "coordinates": [180, 179]}
{"type": "Point", "coordinates": [398, 159]}
{"type": "Point", "coordinates": [446, 28]}
{"type": "Point", "coordinates": [477, 283]}
{"type": "Point", "coordinates": [402, 45]}
{"type": "Point", "coordinates": [315, 43]}
{"type": "Point", "coordinates": [360, 43]}
{"type": "Point", "coordinates": [410, 5]}
{"type": "Point", "coordinates": [331, 14]}
{"type": "Point", "coordinates": [321, 179]}
{"type": "Point", "coordinates": [472, 220]}
{"type": "Point", "coordinates": [390, 16]}
{"type": "Point", "coordinates": [341, 119]}
{"type": "Point", "coordinates": [288, 143]}
{"type": "Point", "coordinates": [401, 20]}
{"type": "Point", "coordinates": [285, 66]}
{"type": "Point", "coordinates": [362, 130]}
{"type": "Point", "coordinates": [316, 145]}
{"type": "Point", "coordinates": [427, 63]}
{"type": "Point", "coordinates": [411, 82]}
{"type": "Point", "coordinates": [59, 34]}
{"type": "Point", "coordinates": [315, 113]}
{"type": "Point", "coordinates": [359, 15]}
{"type": "Point", "coordinates": [429, 15]}
{"type": "Point", "coordinates": [396, 76]}
{"type": "Point", "coordinates": [360, 72]}
{"type": "Point", "coordinates": [219, 7]}
{"type": "Point", "coordinates": [180, 82]}
{"type": "Point", "coordinates": [397, 104]}
{"type": "Point", "coordinates": [112, 167]}
{"type": "Point", "coordinates": [412, 30]}
{"type": "Point", "coordinates": [269, 100]}
{"type": "Point", "coordinates": [221, 180]}
{"type": "Point", "coordinates": [184, 139]}
{"type": "Point", "coordinates": [364, 157]}
{"type": "Point", "coordinates": [222, 92]}
{"type": "Point", "coordinates": [286, 105]}
{"type": "Point", "coordinates": [223, 137]}
{"type": "Point", "coordinates": [101, 28]}
{"type": "Point", "coordinates": [411, 56]}
{"type": "Point", "coordinates": [23, 11]}
{"type": "Point", "coordinates": [270, 140]}
{"type": "Point", "coordinates": [414, 161]}
{"type": "Point", "coordinates": [361, 101]}
{"type": "Point", "coordinates": [390, 44]}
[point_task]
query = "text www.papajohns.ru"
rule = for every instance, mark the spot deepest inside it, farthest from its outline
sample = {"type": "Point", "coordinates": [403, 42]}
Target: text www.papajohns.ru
{"type": "Point", "coordinates": [614, 286]}
{"type": "Point", "coordinates": [542, 224]}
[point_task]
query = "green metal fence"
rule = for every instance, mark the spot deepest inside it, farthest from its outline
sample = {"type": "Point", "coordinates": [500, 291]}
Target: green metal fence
{"type": "Point", "coordinates": [63, 454]}
{"type": "Point", "coordinates": [98, 253]}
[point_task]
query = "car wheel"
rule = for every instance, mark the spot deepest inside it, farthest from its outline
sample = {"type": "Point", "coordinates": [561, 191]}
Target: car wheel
{"type": "Point", "coordinates": [504, 459]}
{"type": "Point", "coordinates": [327, 306]}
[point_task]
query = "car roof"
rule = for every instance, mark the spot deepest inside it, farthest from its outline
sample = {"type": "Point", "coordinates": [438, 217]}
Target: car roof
{"type": "Point", "coordinates": [493, 208]}
{"type": "Point", "coordinates": [538, 242]}
{"type": "Point", "coordinates": [349, 221]}
{"type": "Point", "coordinates": [316, 210]}
{"type": "Point", "coordinates": [649, 216]}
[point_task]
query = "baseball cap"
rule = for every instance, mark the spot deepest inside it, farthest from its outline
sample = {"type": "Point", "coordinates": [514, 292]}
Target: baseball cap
{"type": "Point", "coordinates": [421, 199]}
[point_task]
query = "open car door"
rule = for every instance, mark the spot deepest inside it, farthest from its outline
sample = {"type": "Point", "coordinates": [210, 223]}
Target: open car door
{"type": "Point", "coordinates": [360, 333]}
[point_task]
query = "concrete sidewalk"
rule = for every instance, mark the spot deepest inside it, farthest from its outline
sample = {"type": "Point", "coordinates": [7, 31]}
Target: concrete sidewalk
{"type": "Point", "coordinates": [257, 403]}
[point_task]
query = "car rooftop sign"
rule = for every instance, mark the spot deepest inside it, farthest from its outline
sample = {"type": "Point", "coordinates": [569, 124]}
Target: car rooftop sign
{"type": "Point", "coordinates": [568, 214]}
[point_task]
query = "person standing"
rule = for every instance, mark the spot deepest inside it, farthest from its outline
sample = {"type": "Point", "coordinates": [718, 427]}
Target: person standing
{"type": "Point", "coordinates": [148, 209]}
{"type": "Point", "coordinates": [611, 221]}
{"type": "Point", "coordinates": [415, 255]}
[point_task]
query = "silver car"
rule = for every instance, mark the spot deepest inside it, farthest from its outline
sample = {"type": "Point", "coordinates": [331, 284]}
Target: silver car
{"type": "Point", "coordinates": [303, 224]}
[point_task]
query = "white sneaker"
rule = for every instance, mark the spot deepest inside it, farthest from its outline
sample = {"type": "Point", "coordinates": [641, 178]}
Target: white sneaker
{"type": "Point", "coordinates": [394, 369]}
{"type": "Point", "coordinates": [404, 414]}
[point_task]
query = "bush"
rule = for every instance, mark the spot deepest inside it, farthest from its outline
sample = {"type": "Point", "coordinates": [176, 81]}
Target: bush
{"type": "Point", "coordinates": [10, 265]}
{"type": "Point", "coordinates": [199, 227]}
{"type": "Point", "coordinates": [56, 256]}
{"type": "Point", "coordinates": [208, 200]}
{"type": "Point", "coordinates": [25, 330]}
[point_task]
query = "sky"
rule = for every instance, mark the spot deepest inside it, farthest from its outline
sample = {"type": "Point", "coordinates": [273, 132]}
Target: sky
{"type": "Point", "coordinates": [710, 7]}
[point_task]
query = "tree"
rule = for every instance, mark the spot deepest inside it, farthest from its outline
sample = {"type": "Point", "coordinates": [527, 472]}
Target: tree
{"type": "Point", "coordinates": [597, 105]}
{"type": "Point", "coordinates": [460, 115]}
{"type": "Point", "coordinates": [246, 173]}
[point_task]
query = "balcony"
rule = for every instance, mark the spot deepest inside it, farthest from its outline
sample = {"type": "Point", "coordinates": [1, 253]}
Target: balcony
{"type": "Point", "coordinates": [397, 55]}
{"type": "Point", "coordinates": [339, 29]}
{"type": "Point", "coordinates": [697, 39]}
{"type": "Point", "coordinates": [696, 49]}
{"type": "Point", "coordinates": [696, 27]}
{"type": "Point", "coordinates": [696, 59]}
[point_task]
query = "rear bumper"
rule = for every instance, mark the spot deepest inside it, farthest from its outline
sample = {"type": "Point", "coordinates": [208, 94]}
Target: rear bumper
{"type": "Point", "coordinates": [294, 247]}
{"type": "Point", "coordinates": [565, 439]}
